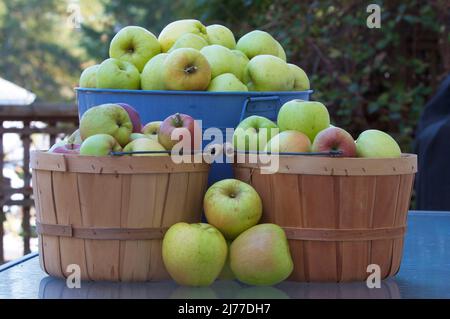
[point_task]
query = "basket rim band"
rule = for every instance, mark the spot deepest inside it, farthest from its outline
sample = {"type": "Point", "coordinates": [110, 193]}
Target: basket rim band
{"type": "Point", "coordinates": [357, 234]}
{"type": "Point", "coordinates": [100, 233]}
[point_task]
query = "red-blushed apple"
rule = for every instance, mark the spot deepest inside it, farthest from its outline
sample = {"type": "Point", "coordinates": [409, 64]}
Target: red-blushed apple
{"type": "Point", "coordinates": [134, 117]}
{"type": "Point", "coordinates": [67, 148]}
{"type": "Point", "coordinates": [335, 139]}
{"type": "Point", "coordinates": [289, 141]}
{"type": "Point", "coordinates": [176, 126]}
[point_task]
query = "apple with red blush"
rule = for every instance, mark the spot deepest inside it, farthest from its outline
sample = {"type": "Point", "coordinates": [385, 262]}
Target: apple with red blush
{"type": "Point", "coordinates": [335, 139]}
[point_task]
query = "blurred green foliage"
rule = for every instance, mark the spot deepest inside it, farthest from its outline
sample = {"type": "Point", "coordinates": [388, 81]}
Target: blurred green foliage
{"type": "Point", "coordinates": [368, 78]}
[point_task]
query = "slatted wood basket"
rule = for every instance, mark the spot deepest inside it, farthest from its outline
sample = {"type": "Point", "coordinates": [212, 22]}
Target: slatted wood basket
{"type": "Point", "coordinates": [108, 214]}
{"type": "Point", "coordinates": [340, 214]}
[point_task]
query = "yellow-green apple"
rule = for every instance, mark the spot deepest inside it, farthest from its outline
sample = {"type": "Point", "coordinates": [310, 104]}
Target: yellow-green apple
{"type": "Point", "coordinates": [151, 76]}
{"type": "Point", "coordinates": [176, 126]}
{"type": "Point", "coordinates": [186, 69]}
{"type": "Point", "coordinates": [301, 81]}
{"type": "Point", "coordinates": [377, 144]}
{"type": "Point", "coordinates": [260, 256]}
{"type": "Point", "coordinates": [308, 117]}
{"type": "Point", "coordinates": [257, 42]}
{"type": "Point", "coordinates": [134, 117]}
{"type": "Point", "coordinates": [194, 254]}
{"type": "Point", "coordinates": [289, 142]}
{"type": "Point", "coordinates": [145, 144]}
{"type": "Point", "coordinates": [268, 73]}
{"type": "Point", "coordinates": [99, 145]}
{"type": "Point", "coordinates": [335, 139]}
{"type": "Point", "coordinates": [88, 78]}
{"type": "Point", "coordinates": [219, 34]}
{"type": "Point", "coordinates": [241, 64]}
{"type": "Point", "coordinates": [135, 136]}
{"type": "Point", "coordinates": [226, 82]}
{"type": "Point", "coordinates": [220, 58]}
{"type": "Point", "coordinates": [253, 133]}
{"type": "Point", "coordinates": [176, 29]}
{"type": "Point", "coordinates": [118, 74]}
{"type": "Point", "coordinates": [281, 53]}
{"type": "Point", "coordinates": [227, 273]}
{"type": "Point", "coordinates": [232, 206]}
{"type": "Point", "coordinates": [109, 119]}
{"type": "Point", "coordinates": [63, 147]}
{"type": "Point", "coordinates": [75, 138]}
{"type": "Point", "coordinates": [189, 40]}
{"type": "Point", "coordinates": [135, 45]}
{"type": "Point", "coordinates": [152, 129]}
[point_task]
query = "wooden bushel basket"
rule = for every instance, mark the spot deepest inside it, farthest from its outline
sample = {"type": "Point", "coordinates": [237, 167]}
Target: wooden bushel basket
{"type": "Point", "coordinates": [108, 214]}
{"type": "Point", "coordinates": [340, 214]}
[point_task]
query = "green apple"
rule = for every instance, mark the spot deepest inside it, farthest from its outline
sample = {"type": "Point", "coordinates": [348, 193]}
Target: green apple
{"type": "Point", "coordinates": [253, 133]}
{"type": "Point", "coordinates": [307, 117]}
{"type": "Point", "coordinates": [220, 58]}
{"type": "Point", "coordinates": [189, 40]}
{"type": "Point", "coordinates": [151, 129]}
{"type": "Point", "coordinates": [260, 256]}
{"type": "Point", "coordinates": [151, 76]}
{"type": "Point", "coordinates": [226, 82]}
{"type": "Point", "coordinates": [289, 142]}
{"type": "Point", "coordinates": [118, 74]}
{"type": "Point", "coordinates": [240, 64]}
{"type": "Point", "coordinates": [194, 254]}
{"type": "Point", "coordinates": [219, 34]}
{"type": "Point", "coordinates": [377, 144]}
{"type": "Point", "coordinates": [88, 78]}
{"type": "Point", "coordinates": [75, 138]}
{"type": "Point", "coordinates": [268, 73]}
{"type": "Point", "coordinates": [186, 69]}
{"type": "Point", "coordinates": [99, 145]}
{"type": "Point", "coordinates": [109, 119]}
{"type": "Point", "coordinates": [135, 45]}
{"type": "Point", "coordinates": [281, 53]}
{"type": "Point", "coordinates": [145, 144]}
{"type": "Point", "coordinates": [301, 81]}
{"type": "Point", "coordinates": [232, 206]}
{"type": "Point", "coordinates": [256, 43]}
{"type": "Point", "coordinates": [176, 29]}
{"type": "Point", "coordinates": [135, 136]}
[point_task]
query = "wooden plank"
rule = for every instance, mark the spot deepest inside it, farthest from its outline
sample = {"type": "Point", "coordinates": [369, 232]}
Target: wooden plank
{"type": "Point", "coordinates": [50, 244]}
{"type": "Point", "coordinates": [356, 199]}
{"type": "Point", "coordinates": [101, 207]}
{"type": "Point", "coordinates": [68, 211]}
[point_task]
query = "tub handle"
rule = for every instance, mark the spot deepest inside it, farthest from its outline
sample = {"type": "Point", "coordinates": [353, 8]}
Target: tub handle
{"type": "Point", "coordinates": [248, 101]}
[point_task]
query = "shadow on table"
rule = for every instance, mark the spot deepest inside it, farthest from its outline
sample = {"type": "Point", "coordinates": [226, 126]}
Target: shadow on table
{"type": "Point", "coordinates": [55, 288]}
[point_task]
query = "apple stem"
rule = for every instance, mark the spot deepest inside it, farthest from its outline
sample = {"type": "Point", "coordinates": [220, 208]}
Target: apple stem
{"type": "Point", "coordinates": [191, 69]}
{"type": "Point", "coordinates": [177, 120]}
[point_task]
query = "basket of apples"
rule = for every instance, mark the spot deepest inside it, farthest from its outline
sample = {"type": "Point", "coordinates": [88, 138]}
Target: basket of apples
{"type": "Point", "coordinates": [344, 215]}
{"type": "Point", "coordinates": [194, 69]}
{"type": "Point", "coordinates": [105, 197]}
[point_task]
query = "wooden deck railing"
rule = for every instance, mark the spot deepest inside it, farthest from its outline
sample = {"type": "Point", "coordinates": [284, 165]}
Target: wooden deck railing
{"type": "Point", "coordinates": [53, 115]}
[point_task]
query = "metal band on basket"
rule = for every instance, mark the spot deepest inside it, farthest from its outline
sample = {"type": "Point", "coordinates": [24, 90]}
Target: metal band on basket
{"type": "Point", "coordinates": [100, 233]}
{"type": "Point", "coordinates": [362, 234]}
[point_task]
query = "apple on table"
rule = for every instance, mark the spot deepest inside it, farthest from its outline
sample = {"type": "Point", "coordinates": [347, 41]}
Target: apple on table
{"type": "Point", "coordinates": [194, 254]}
